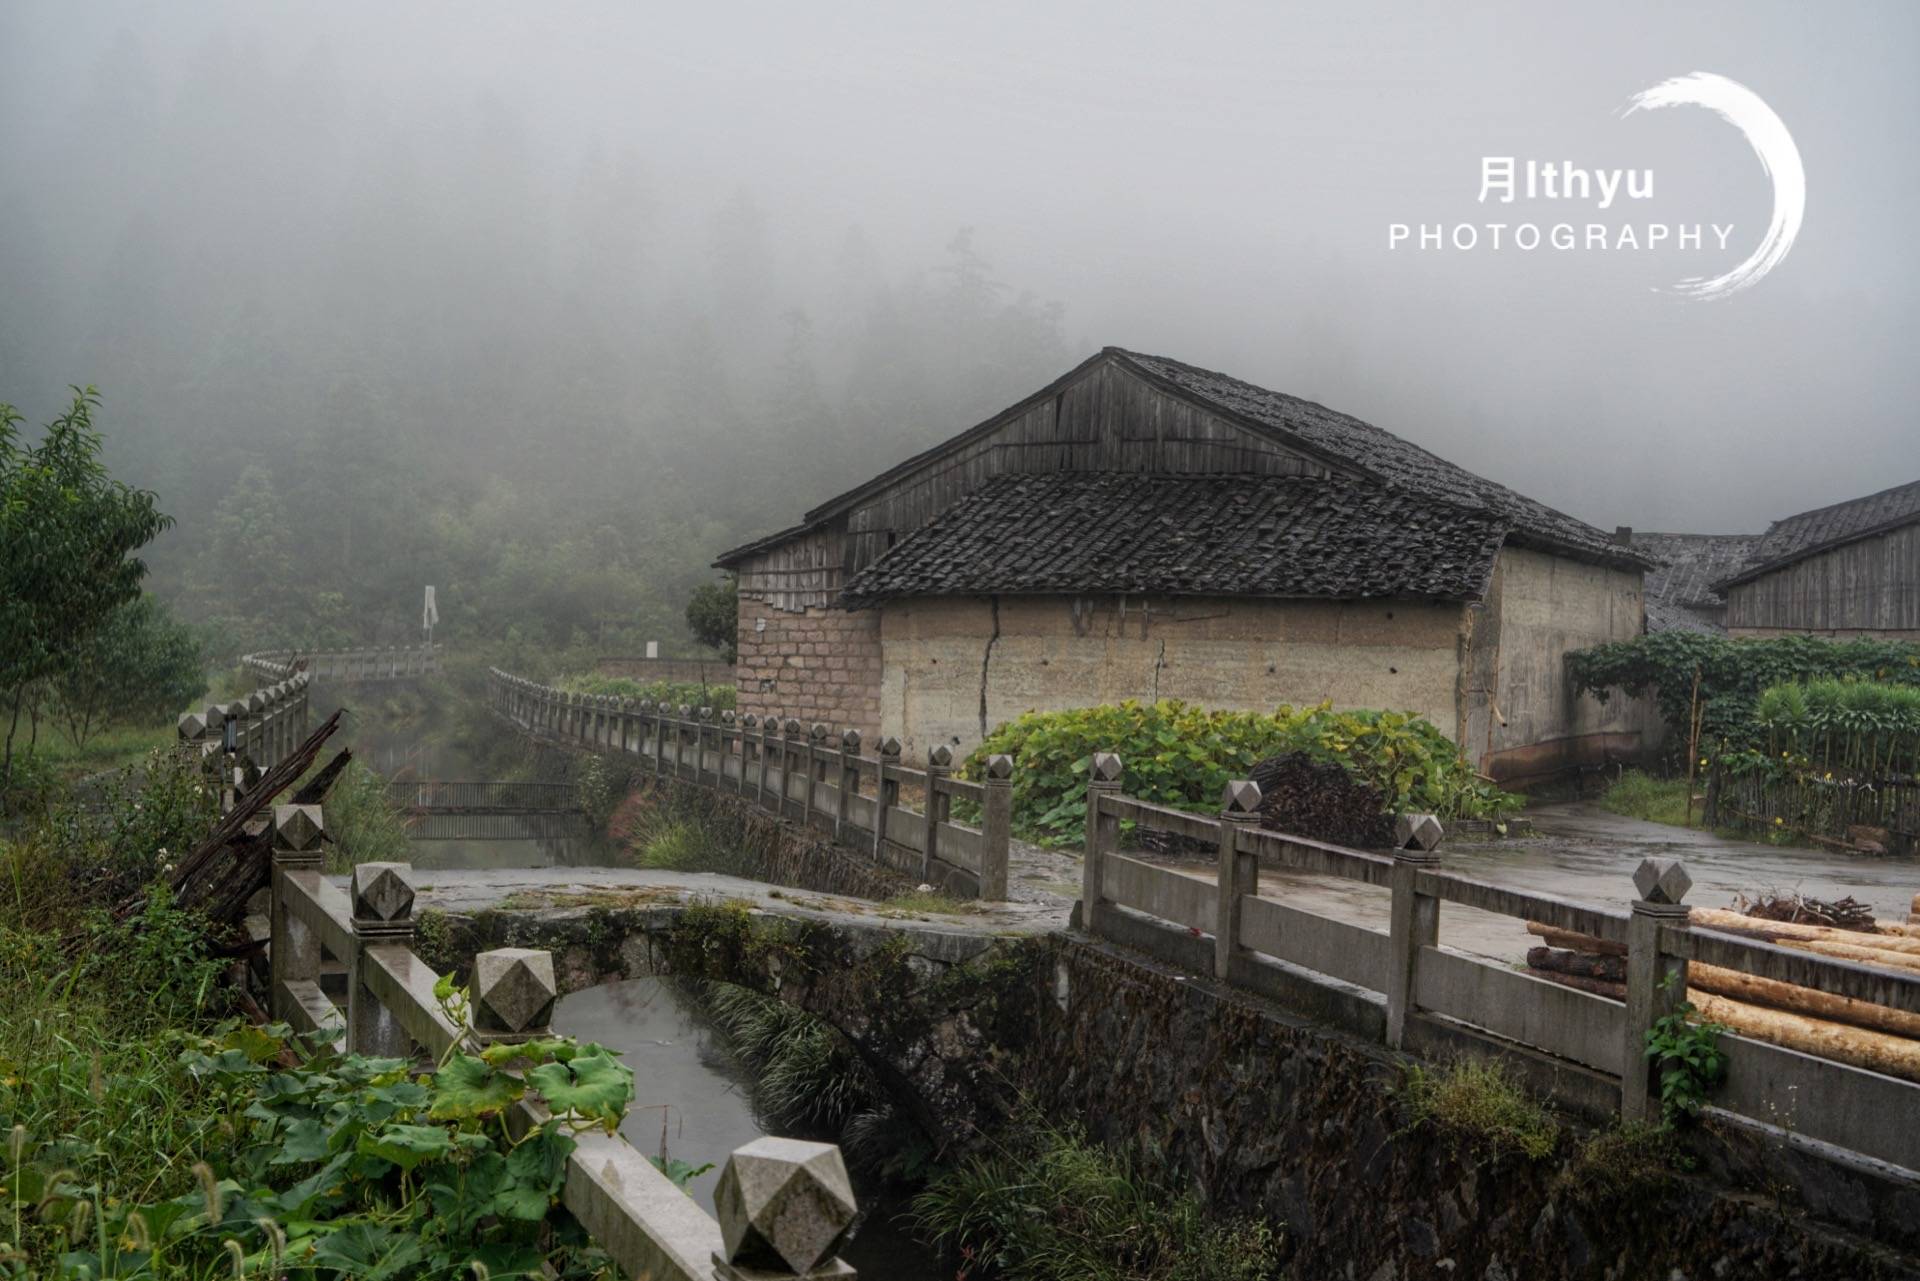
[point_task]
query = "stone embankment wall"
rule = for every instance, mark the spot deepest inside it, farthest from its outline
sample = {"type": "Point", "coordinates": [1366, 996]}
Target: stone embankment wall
{"type": "Point", "coordinates": [1263, 1112]}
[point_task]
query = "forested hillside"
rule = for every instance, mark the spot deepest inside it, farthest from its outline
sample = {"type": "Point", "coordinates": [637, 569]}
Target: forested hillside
{"type": "Point", "coordinates": [366, 359]}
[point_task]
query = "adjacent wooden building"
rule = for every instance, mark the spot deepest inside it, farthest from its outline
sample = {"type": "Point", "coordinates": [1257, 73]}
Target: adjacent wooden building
{"type": "Point", "coordinates": [1141, 528]}
{"type": "Point", "coordinates": [1852, 569]}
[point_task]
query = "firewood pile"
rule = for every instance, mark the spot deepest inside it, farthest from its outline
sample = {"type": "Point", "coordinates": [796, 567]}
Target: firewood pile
{"type": "Point", "coordinates": [1875, 1037]}
{"type": "Point", "coordinates": [1320, 801]}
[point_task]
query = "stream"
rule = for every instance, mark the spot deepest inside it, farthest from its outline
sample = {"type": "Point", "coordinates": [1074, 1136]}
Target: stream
{"type": "Point", "coordinates": [694, 1100]}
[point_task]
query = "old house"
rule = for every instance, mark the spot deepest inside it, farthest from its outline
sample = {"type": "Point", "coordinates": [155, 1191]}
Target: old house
{"type": "Point", "coordinates": [1141, 528]}
{"type": "Point", "coordinates": [1852, 569]}
{"type": "Point", "coordinates": [1683, 587]}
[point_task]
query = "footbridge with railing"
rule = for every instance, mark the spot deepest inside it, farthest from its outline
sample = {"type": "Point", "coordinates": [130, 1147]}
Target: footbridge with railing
{"type": "Point", "coordinates": [371, 664]}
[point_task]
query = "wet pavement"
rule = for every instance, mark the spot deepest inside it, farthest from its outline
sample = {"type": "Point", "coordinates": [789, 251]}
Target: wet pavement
{"type": "Point", "coordinates": [1587, 854]}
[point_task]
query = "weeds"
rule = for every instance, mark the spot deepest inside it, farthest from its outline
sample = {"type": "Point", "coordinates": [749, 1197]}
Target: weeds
{"type": "Point", "coordinates": [1658, 800]}
{"type": "Point", "coordinates": [1056, 1207]}
{"type": "Point", "coordinates": [1478, 1100]}
{"type": "Point", "coordinates": [363, 825]}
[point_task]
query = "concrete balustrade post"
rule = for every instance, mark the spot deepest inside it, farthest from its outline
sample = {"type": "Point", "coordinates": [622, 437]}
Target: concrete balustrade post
{"type": "Point", "coordinates": [1656, 982]}
{"type": "Point", "coordinates": [793, 734]}
{"type": "Point", "coordinates": [849, 784]}
{"type": "Point", "coordinates": [750, 756]}
{"type": "Point", "coordinates": [769, 735]}
{"type": "Point", "coordinates": [939, 769]}
{"type": "Point", "coordinates": [996, 827]}
{"type": "Point", "coordinates": [1104, 774]}
{"type": "Point", "coordinates": [513, 995]}
{"type": "Point", "coordinates": [784, 1208]}
{"type": "Point", "coordinates": [1239, 870]}
{"type": "Point", "coordinates": [257, 729]}
{"type": "Point", "coordinates": [815, 772]}
{"type": "Point", "coordinates": [293, 949]}
{"type": "Point", "coordinates": [706, 730]}
{"type": "Point", "coordinates": [730, 746]}
{"type": "Point", "coordinates": [383, 896]}
{"type": "Point", "coordinates": [886, 792]}
{"type": "Point", "coordinates": [685, 729]}
{"type": "Point", "coordinates": [1413, 920]}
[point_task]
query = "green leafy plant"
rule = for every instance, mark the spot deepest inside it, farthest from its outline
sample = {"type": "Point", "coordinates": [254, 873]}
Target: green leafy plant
{"type": "Point", "coordinates": [1180, 755]}
{"type": "Point", "coordinates": [1685, 1050]}
{"type": "Point", "coordinates": [346, 1164]}
{"type": "Point", "coordinates": [672, 693]}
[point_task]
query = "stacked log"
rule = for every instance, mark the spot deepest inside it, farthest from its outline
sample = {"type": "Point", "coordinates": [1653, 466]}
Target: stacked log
{"type": "Point", "coordinates": [1859, 1033]}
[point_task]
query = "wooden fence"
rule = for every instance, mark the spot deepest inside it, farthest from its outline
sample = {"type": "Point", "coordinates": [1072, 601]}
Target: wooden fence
{"type": "Point", "coordinates": [808, 774]}
{"type": "Point", "coordinates": [784, 1205]}
{"type": "Point", "coordinates": [263, 727]}
{"type": "Point", "coordinates": [1433, 995]}
{"type": "Point", "coordinates": [347, 666]}
{"type": "Point", "coordinates": [1820, 805]}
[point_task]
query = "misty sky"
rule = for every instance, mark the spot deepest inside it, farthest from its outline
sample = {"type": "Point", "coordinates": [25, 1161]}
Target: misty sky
{"type": "Point", "coordinates": [1210, 182]}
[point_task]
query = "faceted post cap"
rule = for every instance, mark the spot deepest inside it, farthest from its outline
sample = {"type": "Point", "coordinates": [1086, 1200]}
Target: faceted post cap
{"type": "Point", "coordinates": [793, 727]}
{"type": "Point", "coordinates": [646, 705]}
{"type": "Point", "coordinates": [1417, 832]}
{"type": "Point", "coordinates": [749, 721]}
{"type": "Point", "coordinates": [726, 716]}
{"type": "Point", "coordinates": [256, 701]}
{"type": "Point", "coordinates": [939, 756]}
{"type": "Point", "coordinates": [850, 740]}
{"type": "Point", "coordinates": [1106, 767]}
{"type": "Point", "coordinates": [383, 891]}
{"type": "Point", "coordinates": [193, 725]}
{"type": "Point", "coordinates": [513, 991]}
{"type": "Point", "coordinates": [889, 746]}
{"type": "Point", "coordinates": [1241, 796]}
{"type": "Point", "coordinates": [686, 710]}
{"type": "Point", "coordinates": [999, 766]}
{"type": "Point", "coordinates": [1662, 880]}
{"type": "Point", "coordinates": [706, 713]}
{"type": "Point", "coordinates": [783, 1204]}
{"type": "Point", "coordinates": [297, 827]}
{"type": "Point", "coordinates": [818, 733]}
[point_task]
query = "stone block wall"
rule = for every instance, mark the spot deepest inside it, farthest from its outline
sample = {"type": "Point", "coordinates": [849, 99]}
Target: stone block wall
{"type": "Point", "coordinates": [816, 664]}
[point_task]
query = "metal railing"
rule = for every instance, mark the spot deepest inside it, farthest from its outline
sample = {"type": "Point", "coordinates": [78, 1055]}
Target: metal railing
{"type": "Point", "coordinates": [808, 774]}
{"type": "Point", "coordinates": [1431, 994]}
{"type": "Point", "coordinates": [646, 1224]}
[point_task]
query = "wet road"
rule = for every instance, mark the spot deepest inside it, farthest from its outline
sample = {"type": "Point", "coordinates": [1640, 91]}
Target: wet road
{"type": "Point", "coordinates": [1586, 853]}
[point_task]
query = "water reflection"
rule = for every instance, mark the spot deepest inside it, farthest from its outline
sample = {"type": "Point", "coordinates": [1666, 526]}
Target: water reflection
{"type": "Point", "coordinates": [693, 1100]}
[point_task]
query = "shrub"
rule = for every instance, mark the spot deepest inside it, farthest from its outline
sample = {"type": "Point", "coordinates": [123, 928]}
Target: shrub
{"type": "Point", "coordinates": [1051, 1206]}
{"type": "Point", "coordinates": [1478, 1100]}
{"type": "Point", "coordinates": [1184, 756]}
{"type": "Point", "coordinates": [674, 693]}
{"type": "Point", "coordinates": [362, 821]}
{"type": "Point", "coordinates": [1733, 674]}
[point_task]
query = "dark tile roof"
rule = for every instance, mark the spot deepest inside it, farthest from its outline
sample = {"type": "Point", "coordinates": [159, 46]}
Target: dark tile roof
{"type": "Point", "coordinates": [1682, 592]}
{"type": "Point", "coordinates": [1341, 438]}
{"type": "Point", "coordinates": [1102, 532]}
{"type": "Point", "coordinates": [1800, 536]}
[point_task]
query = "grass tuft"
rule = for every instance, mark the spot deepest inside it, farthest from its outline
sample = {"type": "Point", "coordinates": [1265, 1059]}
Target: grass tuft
{"type": "Point", "coordinates": [1658, 800]}
{"type": "Point", "coordinates": [1478, 1100]}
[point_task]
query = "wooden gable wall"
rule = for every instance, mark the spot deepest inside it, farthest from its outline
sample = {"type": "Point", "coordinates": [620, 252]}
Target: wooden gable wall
{"type": "Point", "coordinates": [1109, 419]}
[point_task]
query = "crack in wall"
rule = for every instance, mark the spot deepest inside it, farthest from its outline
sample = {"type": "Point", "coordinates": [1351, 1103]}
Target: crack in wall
{"type": "Point", "coordinates": [986, 661]}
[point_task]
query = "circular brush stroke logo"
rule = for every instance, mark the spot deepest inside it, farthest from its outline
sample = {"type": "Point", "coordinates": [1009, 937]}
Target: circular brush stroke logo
{"type": "Point", "coordinates": [1767, 134]}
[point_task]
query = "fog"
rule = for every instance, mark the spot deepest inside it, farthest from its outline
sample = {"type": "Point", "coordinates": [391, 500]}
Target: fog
{"type": "Point", "coordinates": [516, 293]}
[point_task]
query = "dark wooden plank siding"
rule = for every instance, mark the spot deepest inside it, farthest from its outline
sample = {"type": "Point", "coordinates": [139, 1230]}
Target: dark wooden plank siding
{"type": "Point", "coordinates": [1107, 420]}
{"type": "Point", "coordinates": [805, 570]}
{"type": "Point", "coordinates": [1870, 585]}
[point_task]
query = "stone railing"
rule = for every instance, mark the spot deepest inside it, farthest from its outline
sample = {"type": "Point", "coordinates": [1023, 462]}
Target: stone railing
{"type": "Point", "coordinates": [805, 773]}
{"type": "Point", "coordinates": [264, 727]}
{"type": "Point", "coordinates": [784, 1206]}
{"type": "Point", "coordinates": [393, 663]}
{"type": "Point", "coordinates": [1403, 987]}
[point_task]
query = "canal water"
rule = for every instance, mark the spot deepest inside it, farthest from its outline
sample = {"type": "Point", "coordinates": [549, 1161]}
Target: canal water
{"type": "Point", "coordinates": [693, 1101]}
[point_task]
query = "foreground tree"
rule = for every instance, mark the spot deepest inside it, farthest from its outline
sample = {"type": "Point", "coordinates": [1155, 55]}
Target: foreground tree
{"type": "Point", "coordinates": [139, 666]}
{"type": "Point", "coordinates": [68, 532]}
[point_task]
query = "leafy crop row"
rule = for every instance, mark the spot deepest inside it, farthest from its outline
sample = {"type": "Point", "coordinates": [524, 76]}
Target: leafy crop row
{"type": "Point", "coordinates": [1180, 755]}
